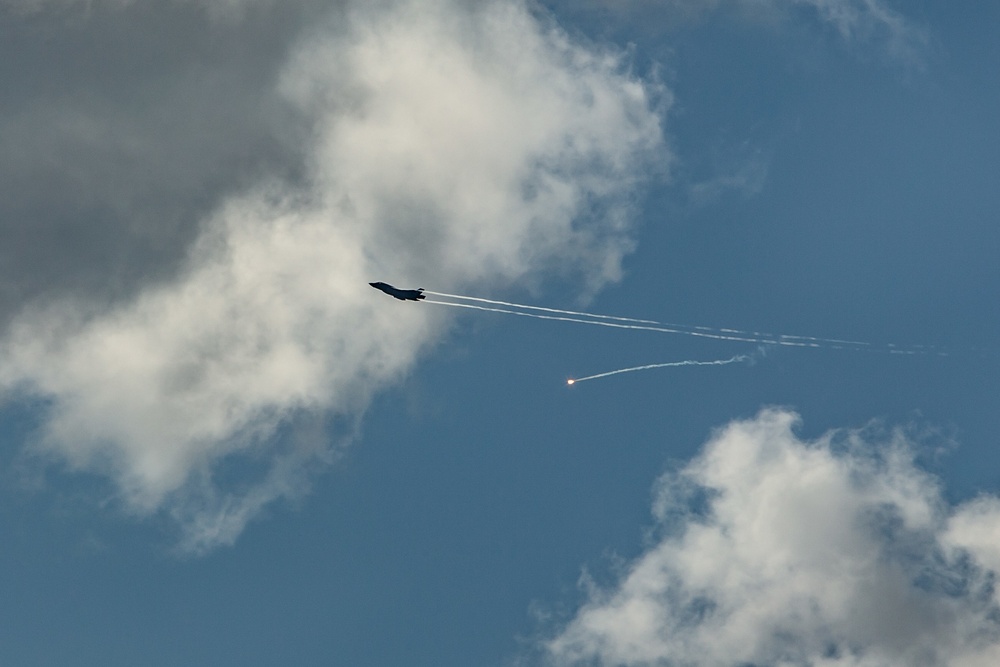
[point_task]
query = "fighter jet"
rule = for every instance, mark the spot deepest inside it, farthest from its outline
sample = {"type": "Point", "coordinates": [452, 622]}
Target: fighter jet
{"type": "Point", "coordinates": [401, 294]}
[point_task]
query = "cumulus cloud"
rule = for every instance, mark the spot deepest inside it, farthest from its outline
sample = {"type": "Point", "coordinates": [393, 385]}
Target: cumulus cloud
{"type": "Point", "coordinates": [448, 146]}
{"type": "Point", "coordinates": [772, 550]}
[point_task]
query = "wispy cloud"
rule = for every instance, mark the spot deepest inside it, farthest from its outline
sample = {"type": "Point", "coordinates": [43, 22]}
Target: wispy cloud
{"type": "Point", "coordinates": [448, 145]}
{"type": "Point", "coordinates": [745, 179]}
{"type": "Point", "coordinates": [772, 550]}
{"type": "Point", "coordinates": [872, 22]}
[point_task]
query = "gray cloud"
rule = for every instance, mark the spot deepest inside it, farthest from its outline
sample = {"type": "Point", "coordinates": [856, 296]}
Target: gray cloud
{"type": "Point", "coordinates": [777, 551]}
{"type": "Point", "coordinates": [438, 144]}
{"type": "Point", "coordinates": [120, 130]}
{"type": "Point", "coordinates": [225, 9]}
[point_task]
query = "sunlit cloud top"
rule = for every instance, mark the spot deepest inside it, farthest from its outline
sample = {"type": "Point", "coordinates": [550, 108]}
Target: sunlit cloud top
{"type": "Point", "coordinates": [772, 550]}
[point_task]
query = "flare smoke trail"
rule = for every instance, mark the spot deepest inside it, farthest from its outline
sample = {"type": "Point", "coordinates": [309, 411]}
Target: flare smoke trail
{"type": "Point", "coordinates": [735, 335]}
{"type": "Point", "coordinates": [688, 362]}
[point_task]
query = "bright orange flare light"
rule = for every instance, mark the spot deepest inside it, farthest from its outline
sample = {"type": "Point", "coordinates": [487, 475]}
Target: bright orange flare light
{"type": "Point", "coordinates": [570, 381]}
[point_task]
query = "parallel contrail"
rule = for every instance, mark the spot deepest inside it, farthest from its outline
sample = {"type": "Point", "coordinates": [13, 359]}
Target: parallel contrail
{"type": "Point", "coordinates": [547, 310]}
{"type": "Point", "coordinates": [688, 362]}
{"type": "Point", "coordinates": [643, 327]}
{"type": "Point", "coordinates": [718, 333]}
{"type": "Point", "coordinates": [724, 334]}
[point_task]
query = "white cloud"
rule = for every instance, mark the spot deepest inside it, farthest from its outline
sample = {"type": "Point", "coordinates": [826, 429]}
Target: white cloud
{"type": "Point", "coordinates": [451, 147]}
{"type": "Point", "coordinates": [777, 551]}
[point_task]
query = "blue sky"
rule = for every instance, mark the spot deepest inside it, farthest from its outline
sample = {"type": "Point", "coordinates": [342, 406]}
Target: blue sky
{"type": "Point", "coordinates": [222, 447]}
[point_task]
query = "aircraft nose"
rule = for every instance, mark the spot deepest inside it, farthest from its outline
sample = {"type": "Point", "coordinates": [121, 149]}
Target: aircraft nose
{"type": "Point", "coordinates": [372, 284]}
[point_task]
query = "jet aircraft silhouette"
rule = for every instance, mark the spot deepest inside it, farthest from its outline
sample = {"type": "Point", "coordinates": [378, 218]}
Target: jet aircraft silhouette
{"type": "Point", "coordinates": [401, 294]}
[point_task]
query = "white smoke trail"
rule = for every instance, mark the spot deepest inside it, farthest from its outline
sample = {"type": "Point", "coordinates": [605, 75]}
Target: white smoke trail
{"type": "Point", "coordinates": [683, 327]}
{"type": "Point", "coordinates": [547, 310]}
{"type": "Point", "coordinates": [661, 329]}
{"type": "Point", "coordinates": [687, 362]}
